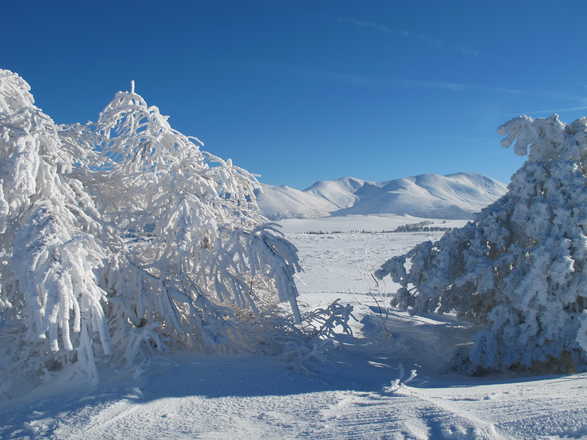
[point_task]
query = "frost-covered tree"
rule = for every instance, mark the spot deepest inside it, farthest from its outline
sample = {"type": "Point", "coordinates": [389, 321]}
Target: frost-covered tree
{"type": "Point", "coordinates": [520, 268]}
{"type": "Point", "coordinates": [183, 227]}
{"type": "Point", "coordinates": [122, 236]}
{"type": "Point", "coordinates": [51, 302]}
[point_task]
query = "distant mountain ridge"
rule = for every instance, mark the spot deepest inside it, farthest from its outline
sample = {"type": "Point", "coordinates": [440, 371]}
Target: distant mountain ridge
{"type": "Point", "coordinates": [453, 196]}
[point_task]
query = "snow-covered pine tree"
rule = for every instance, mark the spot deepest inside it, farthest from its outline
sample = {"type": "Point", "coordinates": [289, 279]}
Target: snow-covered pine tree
{"type": "Point", "coordinates": [122, 236]}
{"type": "Point", "coordinates": [520, 268]}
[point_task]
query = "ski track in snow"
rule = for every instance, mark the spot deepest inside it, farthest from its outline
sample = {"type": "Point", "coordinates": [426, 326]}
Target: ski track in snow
{"type": "Point", "coordinates": [366, 391]}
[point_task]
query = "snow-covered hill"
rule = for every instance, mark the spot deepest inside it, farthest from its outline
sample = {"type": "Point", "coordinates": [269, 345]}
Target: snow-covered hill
{"type": "Point", "coordinates": [277, 202]}
{"type": "Point", "coordinates": [454, 196]}
{"type": "Point", "coordinates": [340, 192]}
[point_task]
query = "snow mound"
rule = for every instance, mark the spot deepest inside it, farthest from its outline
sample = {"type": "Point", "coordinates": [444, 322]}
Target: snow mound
{"type": "Point", "coordinates": [454, 196]}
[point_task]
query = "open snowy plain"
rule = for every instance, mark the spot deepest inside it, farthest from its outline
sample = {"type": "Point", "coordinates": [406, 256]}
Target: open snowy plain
{"type": "Point", "coordinates": [390, 380]}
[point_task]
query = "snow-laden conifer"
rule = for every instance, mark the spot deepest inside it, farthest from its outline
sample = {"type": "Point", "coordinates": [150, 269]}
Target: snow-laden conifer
{"type": "Point", "coordinates": [520, 268]}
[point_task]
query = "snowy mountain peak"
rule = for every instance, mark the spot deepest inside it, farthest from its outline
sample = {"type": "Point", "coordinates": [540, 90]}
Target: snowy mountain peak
{"type": "Point", "coordinates": [455, 196]}
{"type": "Point", "coordinates": [339, 192]}
{"type": "Point", "coordinates": [348, 182]}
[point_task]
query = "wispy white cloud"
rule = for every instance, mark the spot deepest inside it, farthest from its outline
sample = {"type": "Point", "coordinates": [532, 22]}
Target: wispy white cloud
{"type": "Point", "coordinates": [559, 110]}
{"type": "Point", "coordinates": [357, 80]}
{"type": "Point", "coordinates": [507, 90]}
{"type": "Point", "coordinates": [430, 41]}
{"type": "Point", "coordinates": [451, 86]}
{"type": "Point", "coordinates": [349, 79]}
{"type": "Point", "coordinates": [371, 25]}
{"type": "Point", "coordinates": [380, 82]}
{"type": "Point", "coordinates": [580, 102]}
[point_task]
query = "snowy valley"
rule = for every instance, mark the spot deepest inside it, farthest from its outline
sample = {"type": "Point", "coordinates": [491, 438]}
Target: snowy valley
{"type": "Point", "coordinates": [390, 380]}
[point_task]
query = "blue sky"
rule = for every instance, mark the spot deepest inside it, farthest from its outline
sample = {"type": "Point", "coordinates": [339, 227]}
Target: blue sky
{"type": "Point", "coordinates": [299, 91]}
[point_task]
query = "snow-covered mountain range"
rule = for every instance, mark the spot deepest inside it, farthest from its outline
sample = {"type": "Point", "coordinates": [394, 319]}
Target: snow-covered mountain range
{"type": "Point", "coordinates": [454, 196]}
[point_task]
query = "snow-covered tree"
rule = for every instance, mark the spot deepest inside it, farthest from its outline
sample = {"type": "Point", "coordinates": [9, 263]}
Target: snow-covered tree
{"type": "Point", "coordinates": [121, 236]}
{"type": "Point", "coordinates": [520, 268]}
{"type": "Point", "coordinates": [183, 227]}
{"type": "Point", "coordinates": [50, 298]}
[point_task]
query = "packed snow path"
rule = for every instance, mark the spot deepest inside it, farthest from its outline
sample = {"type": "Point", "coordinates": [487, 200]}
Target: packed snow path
{"type": "Point", "coordinates": [389, 382]}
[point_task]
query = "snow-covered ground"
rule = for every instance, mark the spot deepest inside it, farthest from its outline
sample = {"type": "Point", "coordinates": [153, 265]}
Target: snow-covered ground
{"type": "Point", "coordinates": [389, 381]}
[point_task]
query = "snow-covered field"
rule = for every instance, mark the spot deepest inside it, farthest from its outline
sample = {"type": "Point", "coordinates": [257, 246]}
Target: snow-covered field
{"type": "Point", "coordinates": [390, 380]}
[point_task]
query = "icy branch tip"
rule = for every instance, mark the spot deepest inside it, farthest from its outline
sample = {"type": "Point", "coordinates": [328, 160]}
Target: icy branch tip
{"type": "Point", "coordinates": [132, 86]}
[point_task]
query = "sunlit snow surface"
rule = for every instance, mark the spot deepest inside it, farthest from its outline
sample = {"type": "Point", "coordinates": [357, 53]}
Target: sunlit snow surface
{"type": "Point", "coordinates": [454, 196]}
{"type": "Point", "coordinates": [390, 381]}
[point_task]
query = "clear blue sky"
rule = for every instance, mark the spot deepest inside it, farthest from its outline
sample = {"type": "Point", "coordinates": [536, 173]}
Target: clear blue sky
{"type": "Point", "coordinates": [304, 90]}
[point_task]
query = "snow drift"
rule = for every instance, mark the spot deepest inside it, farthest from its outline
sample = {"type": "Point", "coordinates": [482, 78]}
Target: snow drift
{"type": "Point", "coordinates": [455, 196]}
